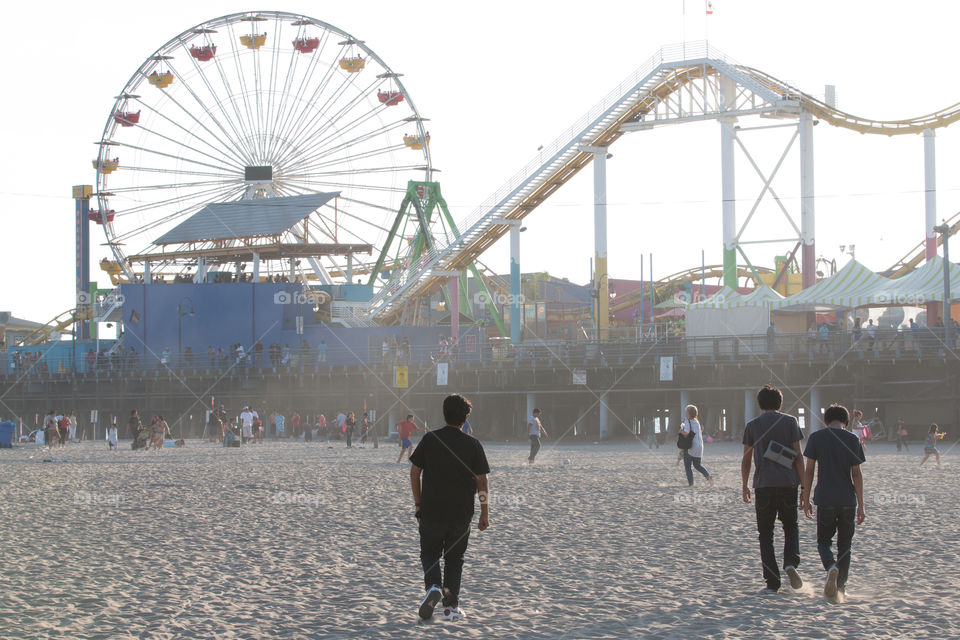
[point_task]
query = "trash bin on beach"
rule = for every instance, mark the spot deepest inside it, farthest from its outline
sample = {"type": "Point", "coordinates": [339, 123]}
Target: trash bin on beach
{"type": "Point", "coordinates": [6, 434]}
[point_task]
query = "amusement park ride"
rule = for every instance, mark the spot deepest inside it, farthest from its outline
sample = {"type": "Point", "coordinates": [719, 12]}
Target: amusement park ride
{"type": "Point", "coordinates": [276, 105]}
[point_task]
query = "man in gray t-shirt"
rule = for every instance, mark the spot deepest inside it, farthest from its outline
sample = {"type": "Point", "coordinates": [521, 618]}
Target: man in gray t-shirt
{"type": "Point", "coordinates": [768, 442]}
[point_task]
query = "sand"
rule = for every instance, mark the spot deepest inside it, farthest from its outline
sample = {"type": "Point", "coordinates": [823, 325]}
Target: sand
{"type": "Point", "coordinates": [287, 540]}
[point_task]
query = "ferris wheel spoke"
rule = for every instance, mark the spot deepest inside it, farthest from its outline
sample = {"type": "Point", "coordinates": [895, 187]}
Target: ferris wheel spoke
{"type": "Point", "coordinates": [235, 150]}
{"type": "Point", "coordinates": [184, 145]}
{"type": "Point", "coordinates": [176, 157]}
{"type": "Point", "coordinates": [176, 185]}
{"type": "Point", "coordinates": [241, 80]}
{"type": "Point", "coordinates": [339, 185]}
{"type": "Point", "coordinates": [310, 156]}
{"type": "Point", "coordinates": [371, 153]}
{"type": "Point", "coordinates": [163, 204]}
{"type": "Point", "coordinates": [300, 106]}
{"type": "Point", "coordinates": [271, 92]}
{"type": "Point", "coordinates": [317, 125]}
{"type": "Point", "coordinates": [179, 172]}
{"type": "Point", "coordinates": [176, 124]}
{"type": "Point", "coordinates": [245, 133]}
{"type": "Point", "coordinates": [307, 174]}
{"type": "Point", "coordinates": [303, 126]}
{"type": "Point", "coordinates": [358, 218]}
{"type": "Point", "coordinates": [238, 136]}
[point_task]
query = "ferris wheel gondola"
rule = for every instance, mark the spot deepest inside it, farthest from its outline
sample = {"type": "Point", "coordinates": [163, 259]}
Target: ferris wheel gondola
{"type": "Point", "coordinates": [255, 105]}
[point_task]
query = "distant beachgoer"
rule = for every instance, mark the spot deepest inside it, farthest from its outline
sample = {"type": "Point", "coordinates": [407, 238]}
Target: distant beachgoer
{"type": "Point", "coordinates": [902, 436]}
{"type": "Point", "coordinates": [364, 429]}
{"type": "Point", "coordinates": [858, 428]}
{"type": "Point", "coordinates": [278, 424]}
{"type": "Point", "coordinates": [930, 444]}
{"type": "Point", "coordinates": [322, 432]}
{"type": "Point", "coordinates": [348, 427]}
{"type": "Point", "coordinates": [50, 433]}
{"type": "Point", "coordinates": [535, 430]}
{"type": "Point", "coordinates": [771, 442]}
{"type": "Point", "coordinates": [838, 495]}
{"type": "Point", "coordinates": [295, 424]}
{"type": "Point", "coordinates": [63, 429]}
{"type": "Point", "coordinates": [404, 430]}
{"type": "Point", "coordinates": [112, 442]}
{"type": "Point", "coordinates": [133, 424]}
{"type": "Point", "coordinates": [452, 468]}
{"type": "Point", "coordinates": [693, 455]}
{"type": "Point", "coordinates": [72, 429]}
{"type": "Point", "coordinates": [246, 424]}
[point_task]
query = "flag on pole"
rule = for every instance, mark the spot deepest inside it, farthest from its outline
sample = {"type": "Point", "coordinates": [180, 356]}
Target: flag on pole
{"type": "Point", "coordinates": [709, 7]}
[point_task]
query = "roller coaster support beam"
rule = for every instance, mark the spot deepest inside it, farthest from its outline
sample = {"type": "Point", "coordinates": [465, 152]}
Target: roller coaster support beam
{"type": "Point", "coordinates": [808, 255]}
{"type": "Point", "coordinates": [930, 208]}
{"type": "Point", "coordinates": [930, 191]}
{"type": "Point", "coordinates": [81, 196]}
{"type": "Point", "coordinates": [728, 90]}
{"type": "Point", "coordinates": [601, 281]}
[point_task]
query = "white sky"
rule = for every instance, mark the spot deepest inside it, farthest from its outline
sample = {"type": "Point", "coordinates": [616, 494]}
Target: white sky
{"type": "Point", "coordinates": [498, 79]}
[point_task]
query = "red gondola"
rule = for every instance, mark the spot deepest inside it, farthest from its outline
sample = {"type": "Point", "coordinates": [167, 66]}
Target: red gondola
{"type": "Point", "coordinates": [94, 216]}
{"type": "Point", "coordinates": [204, 53]}
{"type": "Point", "coordinates": [306, 45]}
{"type": "Point", "coordinates": [390, 98]}
{"type": "Point", "coordinates": [126, 118]}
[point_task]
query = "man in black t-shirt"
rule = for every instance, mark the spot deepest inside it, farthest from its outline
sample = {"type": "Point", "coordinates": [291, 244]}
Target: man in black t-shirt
{"type": "Point", "coordinates": [454, 468]}
{"type": "Point", "coordinates": [839, 493]}
{"type": "Point", "coordinates": [771, 442]}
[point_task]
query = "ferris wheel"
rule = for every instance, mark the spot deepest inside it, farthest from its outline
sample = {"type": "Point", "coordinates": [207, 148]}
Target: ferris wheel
{"type": "Point", "coordinates": [255, 105]}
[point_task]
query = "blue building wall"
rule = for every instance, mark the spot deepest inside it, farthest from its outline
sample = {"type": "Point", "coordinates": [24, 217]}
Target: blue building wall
{"type": "Point", "coordinates": [231, 313]}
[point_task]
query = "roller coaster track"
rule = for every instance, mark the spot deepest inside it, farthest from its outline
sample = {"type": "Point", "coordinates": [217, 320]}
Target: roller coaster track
{"type": "Point", "coordinates": [671, 70]}
{"type": "Point", "coordinates": [662, 288]}
{"type": "Point", "coordinates": [918, 254]}
{"type": "Point", "coordinates": [58, 325]}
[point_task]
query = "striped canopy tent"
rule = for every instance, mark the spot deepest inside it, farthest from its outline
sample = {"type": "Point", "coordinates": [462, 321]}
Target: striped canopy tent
{"type": "Point", "coordinates": [759, 297]}
{"type": "Point", "coordinates": [923, 284]}
{"type": "Point", "coordinates": [720, 300]}
{"type": "Point", "coordinates": [851, 287]}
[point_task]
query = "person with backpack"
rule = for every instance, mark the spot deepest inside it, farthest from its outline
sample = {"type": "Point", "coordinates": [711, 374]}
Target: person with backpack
{"type": "Point", "coordinates": [771, 443]}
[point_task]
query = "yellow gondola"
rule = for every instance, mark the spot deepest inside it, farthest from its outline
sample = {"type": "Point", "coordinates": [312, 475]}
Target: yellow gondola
{"type": "Point", "coordinates": [254, 41]}
{"type": "Point", "coordinates": [352, 65]}
{"type": "Point", "coordinates": [161, 80]}
{"type": "Point", "coordinates": [108, 166]}
{"type": "Point", "coordinates": [416, 142]}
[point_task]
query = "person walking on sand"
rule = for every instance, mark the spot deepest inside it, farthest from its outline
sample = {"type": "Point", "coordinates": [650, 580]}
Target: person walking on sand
{"type": "Point", "coordinates": [772, 443]}
{"type": "Point", "coordinates": [535, 429]}
{"type": "Point", "coordinates": [836, 455]}
{"type": "Point", "coordinates": [693, 455]}
{"type": "Point", "coordinates": [448, 468]}
{"type": "Point", "coordinates": [930, 444]}
{"type": "Point", "coordinates": [404, 430]}
{"type": "Point", "coordinates": [364, 429]}
{"type": "Point", "coordinates": [246, 425]}
{"type": "Point", "coordinates": [112, 442]}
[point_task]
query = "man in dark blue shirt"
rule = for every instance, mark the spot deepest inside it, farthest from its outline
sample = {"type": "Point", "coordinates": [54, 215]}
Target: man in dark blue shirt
{"type": "Point", "coordinates": [454, 468]}
{"type": "Point", "coordinates": [772, 443]}
{"type": "Point", "coordinates": [837, 455]}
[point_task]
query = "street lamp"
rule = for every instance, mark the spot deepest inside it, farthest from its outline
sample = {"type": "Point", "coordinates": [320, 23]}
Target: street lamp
{"type": "Point", "coordinates": [944, 231]}
{"type": "Point", "coordinates": [180, 314]}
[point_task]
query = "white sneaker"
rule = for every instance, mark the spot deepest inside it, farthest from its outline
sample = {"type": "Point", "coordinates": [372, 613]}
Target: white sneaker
{"type": "Point", "coordinates": [430, 601]}
{"type": "Point", "coordinates": [830, 588]}
{"type": "Point", "coordinates": [796, 581]}
{"type": "Point", "coordinates": [453, 613]}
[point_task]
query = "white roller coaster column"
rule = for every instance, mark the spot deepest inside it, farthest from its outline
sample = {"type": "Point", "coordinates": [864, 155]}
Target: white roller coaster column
{"type": "Point", "coordinates": [516, 332]}
{"type": "Point", "coordinates": [930, 192]}
{"type": "Point", "coordinates": [728, 89]}
{"type": "Point", "coordinates": [808, 257]}
{"type": "Point", "coordinates": [602, 282]}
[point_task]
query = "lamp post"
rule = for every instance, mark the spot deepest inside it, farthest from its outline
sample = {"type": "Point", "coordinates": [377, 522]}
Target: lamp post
{"type": "Point", "coordinates": [180, 314]}
{"type": "Point", "coordinates": [944, 231]}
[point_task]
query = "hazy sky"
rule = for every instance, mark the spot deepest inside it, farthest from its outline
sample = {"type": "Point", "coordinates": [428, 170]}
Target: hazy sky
{"type": "Point", "coordinates": [497, 80]}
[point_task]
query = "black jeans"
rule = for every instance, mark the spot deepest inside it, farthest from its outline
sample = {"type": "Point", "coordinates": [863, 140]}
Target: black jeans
{"type": "Point", "coordinates": [839, 520]}
{"type": "Point", "coordinates": [774, 503]}
{"type": "Point", "coordinates": [688, 461]}
{"type": "Point", "coordinates": [534, 447]}
{"type": "Point", "coordinates": [447, 540]}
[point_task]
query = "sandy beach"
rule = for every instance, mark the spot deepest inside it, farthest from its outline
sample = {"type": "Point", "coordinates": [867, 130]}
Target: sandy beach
{"type": "Point", "coordinates": [287, 540]}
